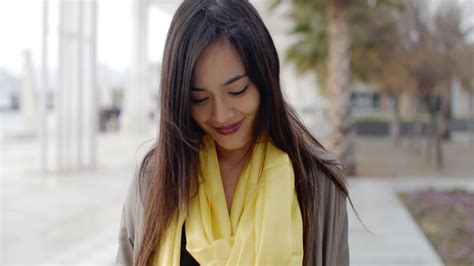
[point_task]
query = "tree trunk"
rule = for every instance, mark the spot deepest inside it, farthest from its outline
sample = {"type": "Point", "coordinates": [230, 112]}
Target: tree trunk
{"type": "Point", "coordinates": [342, 134]}
{"type": "Point", "coordinates": [445, 121]}
{"type": "Point", "coordinates": [435, 140]}
{"type": "Point", "coordinates": [430, 136]}
{"type": "Point", "coordinates": [438, 143]}
{"type": "Point", "coordinates": [435, 132]}
{"type": "Point", "coordinates": [416, 127]}
{"type": "Point", "coordinates": [471, 116]}
{"type": "Point", "coordinates": [395, 110]}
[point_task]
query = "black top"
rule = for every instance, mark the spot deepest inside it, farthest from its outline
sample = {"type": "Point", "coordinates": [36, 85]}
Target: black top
{"type": "Point", "coordinates": [186, 258]}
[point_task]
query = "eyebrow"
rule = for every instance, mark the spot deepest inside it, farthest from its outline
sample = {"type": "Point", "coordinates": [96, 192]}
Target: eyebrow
{"type": "Point", "coordinates": [229, 81]}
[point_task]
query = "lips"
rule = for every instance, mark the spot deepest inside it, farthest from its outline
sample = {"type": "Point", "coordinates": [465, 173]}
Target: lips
{"type": "Point", "coordinates": [230, 129]}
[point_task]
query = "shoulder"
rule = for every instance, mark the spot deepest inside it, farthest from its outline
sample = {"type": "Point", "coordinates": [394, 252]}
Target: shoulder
{"type": "Point", "coordinates": [331, 243]}
{"type": "Point", "coordinates": [275, 157]}
{"type": "Point", "coordinates": [143, 176]}
{"type": "Point", "coordinates": [331, 184]}
{"type": "Point", "coordinates": [328, 161]}
{"type": "Point", "coordinates": [138, 188]}
{"type": "Point", "coordinates": [328, 173]}
{"type": "Point", "coordinates": [139, 185]}
{"type": "Point", "coordinates": [133, 211]}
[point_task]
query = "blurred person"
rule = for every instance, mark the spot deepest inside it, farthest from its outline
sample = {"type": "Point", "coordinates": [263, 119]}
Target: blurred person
{"type": "Point", "coordinates": [234, 177]}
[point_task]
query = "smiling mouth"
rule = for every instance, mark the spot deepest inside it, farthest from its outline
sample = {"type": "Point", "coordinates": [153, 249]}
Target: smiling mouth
{"type": "Point", "coordinates": [230, 129]}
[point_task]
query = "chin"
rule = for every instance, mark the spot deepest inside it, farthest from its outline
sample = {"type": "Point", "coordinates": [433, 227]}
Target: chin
{"type": "Point", "coordinates": [227, 143]}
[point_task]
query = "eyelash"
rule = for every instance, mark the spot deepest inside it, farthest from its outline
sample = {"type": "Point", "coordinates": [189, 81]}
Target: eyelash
{"type": "Point", "coordinates": [198, 101]}
{"type": "Point", "coordinates": [240, 92]}
{"type": "Point", "coordinates": [237, 93]}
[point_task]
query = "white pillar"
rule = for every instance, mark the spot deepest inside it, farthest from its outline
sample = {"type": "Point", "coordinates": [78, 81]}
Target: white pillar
{"type": "Point", "coordinates": [28, 97]}
{"type": "Point", "coordinates": [137, 104]}
{"type": "Point", "coordinates": [76, 105]}
{"type": "Point", "coordinates": [43, 92]}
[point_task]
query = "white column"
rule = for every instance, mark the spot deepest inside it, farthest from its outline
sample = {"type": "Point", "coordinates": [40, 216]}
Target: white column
{"type": "Point", "coordinates": [28, 97]}
{"type": "Point", "coordinates": [88, 108]}
{"type": "Point", "coordinates": [137, 104]}
{"type": "Point", "coordinates": [43, 92]}
{"type": "Point", "coordinates": [76, 105]}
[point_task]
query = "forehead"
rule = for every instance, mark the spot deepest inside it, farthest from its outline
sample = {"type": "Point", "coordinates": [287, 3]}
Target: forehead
{"type": "Point", "coordinates": [218, 62]}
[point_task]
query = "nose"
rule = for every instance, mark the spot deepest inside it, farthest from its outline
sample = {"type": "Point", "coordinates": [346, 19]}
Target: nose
{"type": "Point", "coordinates": [222, 112]}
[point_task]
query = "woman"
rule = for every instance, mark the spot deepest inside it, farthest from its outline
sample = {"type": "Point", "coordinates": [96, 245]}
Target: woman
{"type": "Point", "coordinates": [235, 178]}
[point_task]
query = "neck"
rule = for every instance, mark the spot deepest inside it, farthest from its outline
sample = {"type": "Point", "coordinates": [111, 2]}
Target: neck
{"type": "Point", "coordinates": [231, 156]}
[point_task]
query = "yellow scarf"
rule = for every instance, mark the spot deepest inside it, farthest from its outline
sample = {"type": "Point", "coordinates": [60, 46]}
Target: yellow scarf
{"type": "Point", "coordinates": [264, 227]}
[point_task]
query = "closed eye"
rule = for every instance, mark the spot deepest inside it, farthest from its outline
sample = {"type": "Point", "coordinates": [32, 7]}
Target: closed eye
{"type": "Point", "coordinates": [198, 101]}
{"type": "Point", "coordinates": [241, 91]}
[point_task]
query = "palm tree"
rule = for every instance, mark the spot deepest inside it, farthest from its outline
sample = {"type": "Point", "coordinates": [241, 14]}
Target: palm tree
{"type": "Point", "coordinates": [324, 47]}
{"type": "Point", "coordinates": [342, 134]}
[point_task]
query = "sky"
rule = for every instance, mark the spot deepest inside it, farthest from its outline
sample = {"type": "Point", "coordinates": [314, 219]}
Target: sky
{"type": "Point", "coordinates": [21, 28]}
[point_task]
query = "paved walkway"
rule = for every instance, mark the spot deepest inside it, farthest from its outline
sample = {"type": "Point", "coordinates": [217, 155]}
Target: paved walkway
{"type": "Point", "coordinates": [66, 218]}
{"type": "Point", "coordinates": [73, 218]}
{"type": "Point", "coordinates": [396, 238]}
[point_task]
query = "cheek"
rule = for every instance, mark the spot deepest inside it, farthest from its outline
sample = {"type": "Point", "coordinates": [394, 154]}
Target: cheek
{"type": "Point", "coordinates": [199, 115]}
{"type": "Point", "coordinates": [253, 103]}
{"type": "Point", "coordinates": [196, 115]}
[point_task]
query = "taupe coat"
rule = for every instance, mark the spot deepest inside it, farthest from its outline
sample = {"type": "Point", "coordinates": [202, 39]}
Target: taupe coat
{"type": "Point", "coordinates": [331, 247]}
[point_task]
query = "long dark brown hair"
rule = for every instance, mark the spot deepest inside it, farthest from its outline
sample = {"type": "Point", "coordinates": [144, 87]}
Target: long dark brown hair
{"type": "Point", "coordinates": [195, 25]}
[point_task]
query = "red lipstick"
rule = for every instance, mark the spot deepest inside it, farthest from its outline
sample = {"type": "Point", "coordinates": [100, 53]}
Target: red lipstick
{"type": "Point", "coordinates": [230, 129]}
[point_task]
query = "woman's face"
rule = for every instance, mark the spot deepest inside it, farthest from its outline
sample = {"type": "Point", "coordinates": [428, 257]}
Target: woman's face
{"type": "Point", "coordinates": [224, 102]}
